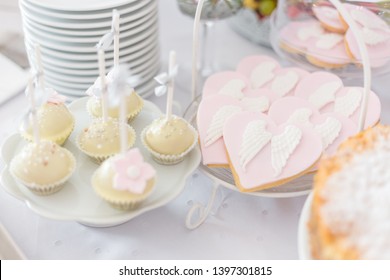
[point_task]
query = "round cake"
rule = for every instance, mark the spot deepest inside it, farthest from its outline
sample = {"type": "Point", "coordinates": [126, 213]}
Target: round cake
{"type": "Point", "coordinates": [169, 140]}
{"type": "Point", "coordinates": [350, 214]}
{"type": "Point", "coordinates": [43, 167]}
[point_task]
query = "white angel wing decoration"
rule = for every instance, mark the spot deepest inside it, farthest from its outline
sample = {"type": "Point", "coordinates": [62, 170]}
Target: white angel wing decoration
{"type": "Point", "coordinates": [233, 88]}
{"type": "Point", "coordinates": [301, 116]}
{"type": "Point", "coordinates": [329, 131]}
{"type": "Point", "coordinates": [349, 103]}
{"type": "Point", "coordinates": [283, 145]}
{"type": "Point", "coordinates": [372, 37]}
{"type": "Point", "coordinates": [255, 138]}
{"type": "Point", "coordinates": [262, 74]}
{"type": "Point", "coordinates": [214, 131]}
{"type": "Point", "coordinates": [325, 94]}
{"type": "Point", "coordinates": [256, 104]}
{"type": "Point", "coordinates": [283, 84]}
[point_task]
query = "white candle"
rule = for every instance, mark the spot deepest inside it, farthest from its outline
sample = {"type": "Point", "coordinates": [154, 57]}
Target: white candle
{"type": "Point", "coordinates": [172, 64]}
{"type": "Point", "coordinates": [115, 19]}
{"type": "Point", "coordinates": [103, 84]}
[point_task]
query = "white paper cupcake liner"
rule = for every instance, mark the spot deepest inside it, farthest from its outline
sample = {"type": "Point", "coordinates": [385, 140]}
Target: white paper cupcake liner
{"type": "Point", "coordinates": [169, 159]}
{"type": "Point", "coordinates": [44, 190]}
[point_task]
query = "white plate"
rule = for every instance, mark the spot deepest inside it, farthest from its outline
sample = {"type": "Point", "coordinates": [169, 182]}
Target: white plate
{"type": "Point", "coordinates": [86, 58]}
{"type": "Point", "coordinates": [137, 69]}
{"type": "Point", "coordinates": [72, 24]}
{"type": "Point", "coordinates": [43, 35]}
{"type": "Point", "coordinates": [77, 15]}
{"type": "Point", "coordinates": [77, 5]}
{"type": "Point", "coordinates": [77, 200]}
{"type": "Point", "coordinates": [89, 48]}
{"type": "Point", "coordinates": [86, 32]}
{"type": "Point", "coordinates": [63, 68]}
{"type": "Point", "coordinates": [303, 231]}
{"type": "Point", "coordinates": [8, 248]}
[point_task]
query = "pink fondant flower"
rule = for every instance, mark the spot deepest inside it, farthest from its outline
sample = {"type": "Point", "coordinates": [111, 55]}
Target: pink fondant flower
{"type": "Point", "coordinates": [132, 172]}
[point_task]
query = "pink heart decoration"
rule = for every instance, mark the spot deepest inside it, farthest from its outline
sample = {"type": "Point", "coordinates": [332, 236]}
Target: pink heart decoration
{"type": "Point", "coordinates": [333, 128]}
{"type": "Point", "coordinates": [326, 92]}
{"type": "Point", "coordinates": [263, 155]}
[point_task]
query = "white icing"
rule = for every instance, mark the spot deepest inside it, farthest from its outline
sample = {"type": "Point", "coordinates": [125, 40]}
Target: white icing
{"type": "Point", "coordinates": [255, 138]}
{"type": "Point", "coordinates": [369, 22]}
{"type": "Point", "coordinates": [330, 13]}
{"type": "Point", "coordinates": [329, 131]}
{"type": "Point", "coordinates": [349, 103]}
{"type": "Point", "coordinates": [133, 172]}
{"type": "Point", "coordinates": [372, 37]}
{"type": "Point", "coordinates": [329, 41]}
{"type": "Point", "coordinates": [283, 84]}
{"type": "Point", "coordinates": [282, 146]}
{"type": "Point", "coordinates": [325, 94]}
{"type": "Point", "coordinates": [233, 88]}
{"type": "Point", "coordinates": [313, 30]}
{"type": "Point", "coordinates": [262, 74]}
{"type": "Point", "coordinates": [301, 116]}
{"type": "Point", "coordinates": [214, 131]}
{"type": "Point", "coordinates": [256, 104]}
{"type": "Point", "coordinates": [356, 202]}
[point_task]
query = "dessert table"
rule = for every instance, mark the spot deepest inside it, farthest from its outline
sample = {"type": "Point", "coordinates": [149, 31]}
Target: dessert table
{"type": "Point", "coordinates": [238, 227]}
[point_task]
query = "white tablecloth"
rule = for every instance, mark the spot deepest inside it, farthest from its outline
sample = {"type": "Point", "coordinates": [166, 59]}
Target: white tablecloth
{"type": "Point", "coordinates": [239, 226]}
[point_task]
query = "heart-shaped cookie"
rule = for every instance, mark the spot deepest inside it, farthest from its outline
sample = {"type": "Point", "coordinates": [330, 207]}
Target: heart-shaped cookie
{"type": "Point", "coordinates": [333, 128]}
{"type": "Point", "coordinates": [326, 92]}
{"type": "Point", "coordinates": [263, 155]}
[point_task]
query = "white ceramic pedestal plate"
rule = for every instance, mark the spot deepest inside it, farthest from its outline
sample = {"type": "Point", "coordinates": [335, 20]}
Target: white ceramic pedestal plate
{"type": "Point", "coordinates": [77, 200]}
{"type": "Point", "coordinates": [222, 176]}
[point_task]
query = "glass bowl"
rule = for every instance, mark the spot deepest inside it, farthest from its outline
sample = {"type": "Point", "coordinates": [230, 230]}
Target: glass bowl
{"type": "Point", "coordinates": [313, 35]}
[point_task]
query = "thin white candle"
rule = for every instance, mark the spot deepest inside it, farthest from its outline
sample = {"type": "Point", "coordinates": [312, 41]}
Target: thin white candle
{"type": "Point", "coordinates": [103, 83]}
{"type": "Point", "coordinates": [31, 94]}
{"type": "Point", "coordinates": [172, 64]}
{"type": "Point", "coordinates": [116, 18]}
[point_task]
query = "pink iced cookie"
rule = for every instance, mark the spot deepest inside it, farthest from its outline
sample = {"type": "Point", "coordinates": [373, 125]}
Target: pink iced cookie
{"type": "Point", "coordinates": [213, 112]}
{"type": "Point", "coordinates": [226, 83]}
{"type": "Point", "coordinates": [328, 51]}
{"type": "Point", "coordinates": [259, 69]}
{"type": "Point", "coordinates": [329, 18]}
{"type": "Point", "coordinates": [333, 128]}
{"type": "Point", "coordinates": [285, 81]}
{"type": "Point", "coordinates": [296, 36]}
{"type": "Point", "coordinates": [348, 103]}
{"type": "Point", "coordinates": [375, 33]}
{"type": "Point", "coordinates": [263, 155]}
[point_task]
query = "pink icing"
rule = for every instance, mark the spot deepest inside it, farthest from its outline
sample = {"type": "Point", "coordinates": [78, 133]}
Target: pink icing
{"type": "Point", "coordinates": [217, 81]}
{"type": "Point", "coordinates": [329, 16]}
{"type": "Point", "coordinates": [282, 109]}
{"type": "Point", "coordinates": [132, 172]}
{"type": "Point", "coordinates": [259, 171]}
{"type": "Point", "coordinates": [289, 33]}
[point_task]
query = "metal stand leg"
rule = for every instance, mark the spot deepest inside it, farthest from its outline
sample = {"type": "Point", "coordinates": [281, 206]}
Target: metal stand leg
{"type": "Point", "coordinates": [203, 211]}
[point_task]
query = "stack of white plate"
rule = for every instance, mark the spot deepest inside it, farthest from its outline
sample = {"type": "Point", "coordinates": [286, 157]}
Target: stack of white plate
{"type": "Point", "coordinates": [68, 31]}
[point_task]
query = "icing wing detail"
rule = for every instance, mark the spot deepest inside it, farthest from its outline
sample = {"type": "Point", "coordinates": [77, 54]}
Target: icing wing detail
{"type": "Point", "coordinates": [233, 88]}
{"type": "Point", "coordinates": [255, 138]}
{"type": "Point", "coordinates": [257, 104]}
{"type": "Point", "coordinates": [349, 103]}
{"type": "Point", "coordinates": [372, 37]}
{"type": "Point", "coordinates": [283, 84]}
{"type": "Point", "coordinates": [262, 74]}
{"type": "Point", "coordinates": [282, 146]}
{"type": "Point", "coordinates": [329, 131]}
{"type": "Point", "coordinates": [214, 131]}
{"type": "Point", "coordinates": [325, 94]}
{"type": "Point", "coordinates": [301, 116]}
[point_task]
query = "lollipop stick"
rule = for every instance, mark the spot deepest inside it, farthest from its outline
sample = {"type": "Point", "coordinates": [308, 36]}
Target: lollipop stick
{"type": "Point", "coordinates": [38, 61]}
{"type": "Point", "coordinates": [102, 74]}
{"type": "Point", "coordinates": [116, 37]}
{"type": "Point", "coordinates": [123, 119]}
{"type": "Point", "coordinates": [31, 93]}
{"type": "Point", "coordinates": [172, 64]}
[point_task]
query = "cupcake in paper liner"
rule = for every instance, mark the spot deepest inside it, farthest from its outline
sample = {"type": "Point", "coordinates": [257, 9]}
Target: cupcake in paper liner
{"type": "Point", "coordinates": [55, 121]}
{"type": "Point", "coordinates": [43, 167]}
{"type": "Point", "coordinates": [169, 140]}
{"type": "Point", "coordinates": [134, 103]}
{"type": "Point", "coordinates": [101, 140]}
{"type": "Point", "coordinates": [125, 180]}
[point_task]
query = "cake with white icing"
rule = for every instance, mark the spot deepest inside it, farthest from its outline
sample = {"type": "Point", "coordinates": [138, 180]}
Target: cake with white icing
{"type": "Point", "coordinates": [350, 210]}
